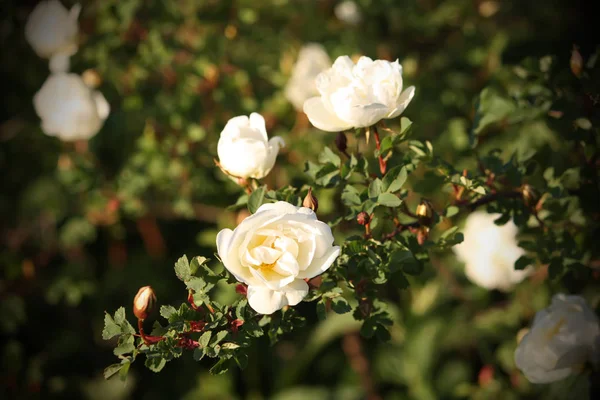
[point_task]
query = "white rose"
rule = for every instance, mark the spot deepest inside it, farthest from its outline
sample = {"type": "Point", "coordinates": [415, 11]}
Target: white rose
{"type": "Point", "coordinates": [312, 60]}
{"type": "Point", "coordinates": [52, 29]}
{"type": "Point", "coordinates": [244, 149]}
{"type": "Point", "coordinates": [348, 12]}
{"type": "Point", "coordinates": [561, 340]}
{"type": "Point", "coordinates": [356, 96]}
{"type": "Point", "coordinates": [274, 251]}
{"type": "Point", "coordinates": [490, 251]}
{"type": "Point", "coordinates": [69, 109]}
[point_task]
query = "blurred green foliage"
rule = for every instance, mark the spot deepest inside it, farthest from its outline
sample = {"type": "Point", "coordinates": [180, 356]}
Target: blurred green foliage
{"type": "Point", "coordinates": [81, 231]}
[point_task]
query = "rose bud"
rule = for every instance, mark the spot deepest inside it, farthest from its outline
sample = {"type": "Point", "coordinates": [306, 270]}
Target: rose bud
{"type": "Point", "coordinates": [424, 213]}
{"type": "Point", "coordinates": [341, 142]}
{"type": "Point", "coordinates": [363, 218]}
{"type": "Point", "coordinates": [530, 195]}
{"type": "Point", "coordinates": [576, 62]}
{"type": "Point", "coordinates": [143, 302]}
{"type": "Point", "coordinates": [310, 201]}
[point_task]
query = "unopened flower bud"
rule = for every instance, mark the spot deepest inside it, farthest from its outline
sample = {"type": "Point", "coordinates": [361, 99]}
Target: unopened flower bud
{"type": "Point", "coordinates": [363, 218]}
{"type": "Point", "coordinates": [341, 142]}
{"type": "Point", "coordinates": [530, 195]}
{"type": "Point", "coordinates": [143, 302]}
{"type": "Point", "coordinates": [576, 62]}
{"type": "Point", "coordinates": [310, 201]}
{"type": "Point", "coordinates": [424, 213]}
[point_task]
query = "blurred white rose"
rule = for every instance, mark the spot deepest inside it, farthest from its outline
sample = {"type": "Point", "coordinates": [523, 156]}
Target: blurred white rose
{"type": "Point", "coordinates": [244, 149]}
{"type": "Point", "coordinates": [490, 251]}
{"type": "Point", "coordinates": [348, 12]}
{"type": "Point", "coordinates": [312, 60]}
{"type": "Point", "coordinates": [52, 29]}
{"type": "Point", "coordinates": [355, 96]}
{"type": "Point", "coordinates": [274, 251]}
{"type": "Point", "coordinates": [561, 340]}
{"type": "Point", "coordinates": [69, 109]}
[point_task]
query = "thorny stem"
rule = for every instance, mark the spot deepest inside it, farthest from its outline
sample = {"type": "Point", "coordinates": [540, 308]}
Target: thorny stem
{"type": "Point", "coordinates": [382, 162]}
{"type": "Point", "coordinates": [368, 229]}
{"type": "Point", "coordinates": [490, 198]}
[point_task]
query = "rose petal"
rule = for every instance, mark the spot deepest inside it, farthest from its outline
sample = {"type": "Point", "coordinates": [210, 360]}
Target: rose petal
{"type": "Point", "coordinates": [320, 265]}
{"type": "Point", "coordinates": [264, 300]}
{"type": "Point", "coordinates": [403, 100]}
{"type": "Point", "coordinates": [225, 240]}
{"type": "Point", "coordinates": [257, 122]}
{"type": "Point", "coordinates": [320, 117]}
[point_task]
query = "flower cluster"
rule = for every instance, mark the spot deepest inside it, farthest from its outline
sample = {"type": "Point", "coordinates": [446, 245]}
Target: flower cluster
{"type": "Point", "coordinates": [67, 105]}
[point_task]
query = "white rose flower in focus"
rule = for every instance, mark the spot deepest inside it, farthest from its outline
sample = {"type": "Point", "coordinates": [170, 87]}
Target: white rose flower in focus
{"type": "Point", "coordinates": [52, 29]}
{"type": "Point", "coordinates": [274, 250]}
{"type": "Point", "coordinates": [356, 96]}
{"type": "Point", "coordinates": [244, 149]}
{"type": "Point", "coordinates": [490, 251]}
{"type": "Point", "coordinates": [562, 338]}
{"type": "Point", "coordinates": [348, 12]}
{"type": "Point", "coordinates": [69, 109]}
{"type": "Point", "coordinates": [312, 60]}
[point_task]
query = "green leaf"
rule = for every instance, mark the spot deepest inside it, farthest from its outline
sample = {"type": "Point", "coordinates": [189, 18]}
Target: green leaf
{"type": "Point", "coordinates": [218, 338]}
{"type": "Point", "coordinates": [492, 108]}
{"type": "Point", "coordinates": [220, 367]}
{"type": "Point", "coordinates": [406, 261]}
{"type": "Point", "coordinates": [123, 372]}
{"type": "Point", "coordinates": [230, 346]}
{"type": "Point", "coordinates": [351, 196]}
{"type": "Point", "coordinates": [240, 309]}
{"type": "Point", "coordinates": [156, 363]}
{"type": "Point", "coordinates": [405, 125]}
{"type": "Point", "coordinates": [126, 345]}
{"type": "Point", "coordinates": [449, 232]}
{"type": "Point", "coordinates": [120, 317]}
{"type": "Point", "coordinates": [386, 145]}
{"type": "Point", "coordinates": [523, 262]}
{"type": "Point", "coordinates": [328, 156]}
{"type": "Point", "coordinates": [321, 309]}
{"type": "Point", "coordinates": [340, 305]}
{"type": "Point", "coordinates": [111, 329]}
{"type": "Point", "coordinates": [389, 200]}
{"type": "Point", "coordinates": [256, 199]}
{"type": "Point", "coordinates": [452, 211]}
{"type": "Point", "coordinates": [198, 353]}
{"type": "Point", "coordinates": [205, 339]}
{"type": "Point", "coordinates": [375, 188]}
{"type": "Point", "coordinates": [182, 268]}
{"type": "Point", "coordinates": [167, 311]}
{"type": "Point", "coordinates": [394, 179]}
{"type": "Point", "coordinates": [196, 263]}
{"type": "Point", "coordinates": [112, 370]}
